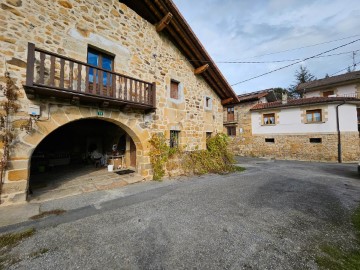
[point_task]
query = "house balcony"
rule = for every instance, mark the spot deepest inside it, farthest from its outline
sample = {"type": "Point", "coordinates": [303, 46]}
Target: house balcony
{"type": "Point", "coordinates": [54, 75]}
{"type": "Point", "coordinates": [230, 119]}
{"type": "Point", "coordinates": [353, 95]}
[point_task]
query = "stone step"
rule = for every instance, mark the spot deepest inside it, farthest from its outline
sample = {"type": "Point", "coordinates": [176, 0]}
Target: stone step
{"type": "Point", "coordinates": [86, 185]}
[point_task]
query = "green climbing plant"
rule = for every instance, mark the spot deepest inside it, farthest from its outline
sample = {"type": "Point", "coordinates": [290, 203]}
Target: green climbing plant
{"type": "Point", "coordinates": [217, 158]}
{"type": "Point", "coordinates": [159, 155]}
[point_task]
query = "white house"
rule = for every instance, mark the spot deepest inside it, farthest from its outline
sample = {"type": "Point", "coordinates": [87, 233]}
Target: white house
{"type": "Point", "coordinates": [312, 128]}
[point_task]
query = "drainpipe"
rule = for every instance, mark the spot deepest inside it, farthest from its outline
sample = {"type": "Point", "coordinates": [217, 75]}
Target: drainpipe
{"type": "Point", "coordinates": [338, 131]}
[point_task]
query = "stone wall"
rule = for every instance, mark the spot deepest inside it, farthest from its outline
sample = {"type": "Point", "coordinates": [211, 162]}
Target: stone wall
{"type": "Point", "coordinates": [299, 147]}
{"type": "Point", "coordinates": [67, 27]}
{"type": "Point", "coordinates": [243, 137]}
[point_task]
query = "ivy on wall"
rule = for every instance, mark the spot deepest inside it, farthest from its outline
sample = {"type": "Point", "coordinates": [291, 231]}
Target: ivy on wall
{"type": "Point", "coordinates": [217, 158]}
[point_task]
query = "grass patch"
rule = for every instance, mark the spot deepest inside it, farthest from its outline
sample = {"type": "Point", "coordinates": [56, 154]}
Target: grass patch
{"type": "Point", "coordinates": [335, 258]}
{"type": "Point", "coordinates": [239, 169]}
{"type": "Point", "coordinates": [55, 212]}
{"type": "Point", "coordinates": [7, 242]}
{"type": "Point", "coordinates": [13, 239]}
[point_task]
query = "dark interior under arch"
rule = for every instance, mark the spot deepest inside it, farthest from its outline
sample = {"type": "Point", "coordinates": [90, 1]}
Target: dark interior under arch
{"type": "Point", "coordinates": [73, 150]}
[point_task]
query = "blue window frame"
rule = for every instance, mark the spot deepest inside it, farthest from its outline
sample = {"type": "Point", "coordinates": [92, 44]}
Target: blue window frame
{"type": "Point", "coordinates": [101, 60]}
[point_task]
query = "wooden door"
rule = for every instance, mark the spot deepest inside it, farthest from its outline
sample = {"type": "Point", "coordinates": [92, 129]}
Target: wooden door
{"type": "Point", "coordinates": [230, 114]}
{"type": "Point", "coordinates": [132, 153]}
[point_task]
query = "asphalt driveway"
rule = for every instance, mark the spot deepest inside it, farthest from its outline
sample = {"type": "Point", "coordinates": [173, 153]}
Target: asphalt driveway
{"type": "Point", "coordinates": [275, 215]}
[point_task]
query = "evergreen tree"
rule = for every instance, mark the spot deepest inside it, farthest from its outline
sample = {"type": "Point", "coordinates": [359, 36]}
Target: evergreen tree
{"type": "Point", "coordinates": [302, 75]}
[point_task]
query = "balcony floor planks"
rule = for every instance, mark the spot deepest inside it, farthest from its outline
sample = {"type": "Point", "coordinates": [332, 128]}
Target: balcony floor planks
{"type": "Point", "coordinates": [85, 97]}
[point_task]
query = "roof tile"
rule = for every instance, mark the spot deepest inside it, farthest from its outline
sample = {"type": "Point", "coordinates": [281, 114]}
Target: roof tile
{"type": "Point", "coordinates": [301, 101]}
{"type": "Point", "coordinates": [350, 76]}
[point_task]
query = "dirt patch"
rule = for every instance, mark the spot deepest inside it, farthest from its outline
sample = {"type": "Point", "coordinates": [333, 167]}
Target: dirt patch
{"type": "Point", "coordinates": [55, 212]}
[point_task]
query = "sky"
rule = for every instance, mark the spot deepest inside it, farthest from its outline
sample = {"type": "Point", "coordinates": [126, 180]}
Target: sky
{"type": "Point", "coordinates": [275, 30]}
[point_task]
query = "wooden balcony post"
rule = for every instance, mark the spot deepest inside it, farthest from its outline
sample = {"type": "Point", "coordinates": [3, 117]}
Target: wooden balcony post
{"type": "Point", "coordinates": [153, 93]}
{"type": "Point", "coordinates": [30, 64]}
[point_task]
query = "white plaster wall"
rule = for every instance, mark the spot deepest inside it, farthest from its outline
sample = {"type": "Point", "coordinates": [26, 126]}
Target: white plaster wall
{"type": "Point", "coordinates": [346, 90]}
{"type": "Point", "coordinates": [290, 121]}
{"type": "Point", "coordinates": [263, 100]}
{"type": "Point", "coordinates": [340, 91]}
{"type": "Point", "coordinates": [347, 117]}
{"type": "Point", "coordinates": [313, 94]}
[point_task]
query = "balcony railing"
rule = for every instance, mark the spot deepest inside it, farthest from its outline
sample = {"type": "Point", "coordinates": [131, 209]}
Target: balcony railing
{"type": "Point", "coordinates": [353, 95]}
{"type": "Point", "coordinates": [52, 74]}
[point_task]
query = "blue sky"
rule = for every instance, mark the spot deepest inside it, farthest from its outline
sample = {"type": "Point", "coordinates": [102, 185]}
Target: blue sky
{"type": "Point", "coordinates": [244, 30]}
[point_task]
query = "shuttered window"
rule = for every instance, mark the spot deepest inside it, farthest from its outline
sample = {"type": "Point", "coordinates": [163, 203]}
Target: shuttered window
{"type": "Point", "coordinates": [174, 89]}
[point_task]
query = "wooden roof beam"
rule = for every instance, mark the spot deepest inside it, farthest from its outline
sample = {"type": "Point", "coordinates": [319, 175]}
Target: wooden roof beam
{"type": "Point", "coordinates": [226, 101]}
{"type": "Point", "coordinates": [164, 22]}
{"type": "Point", "coordinates": [201, 69]}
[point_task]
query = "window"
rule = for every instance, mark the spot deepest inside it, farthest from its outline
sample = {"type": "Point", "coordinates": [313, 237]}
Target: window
{"type": "Point", "coordinates": [230, 114]}
{"type": "Point", "coordinates": [313, 116]}
{"type": "Point", "coordinates": [174, 89]}
{"type": "Point", "coordinates": [231, 131]}
{"type": "Point", "coordinates": [174, 138]}
{"type": "Point", "coordinates": [208, 103]}
{"type": "Point", "coordinates": [269, 118]}
{"type": "Point", "coordinates": [102, 60]}
{"type": "Point", "coordinates": [315, 140]}
{"type": "Point", "coordinates": [270, 140]}
{"type": "Point", "coordinates": [328, 93]}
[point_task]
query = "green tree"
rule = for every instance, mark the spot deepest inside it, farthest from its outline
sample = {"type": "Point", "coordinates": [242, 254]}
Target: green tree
{"type": "Point", "coordinates": [278, 91]}
{"type": "Point", "coordinates": [302, 75]}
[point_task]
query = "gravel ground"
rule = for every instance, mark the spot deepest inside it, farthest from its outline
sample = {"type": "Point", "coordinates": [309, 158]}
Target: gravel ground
{"type": "Point", "coordinates": [272, 216]}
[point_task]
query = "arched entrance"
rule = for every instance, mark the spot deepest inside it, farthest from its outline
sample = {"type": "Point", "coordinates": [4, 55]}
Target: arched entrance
{"type": "Point", "coordinates": [77, 155]}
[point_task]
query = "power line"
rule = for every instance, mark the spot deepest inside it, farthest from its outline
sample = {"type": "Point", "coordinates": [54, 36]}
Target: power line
{"type": "Point", "coordinates": [344, 69]}
{"type": "Point", "coordinates": [255, 62]}
{"type": "Point", "coordinates": [297, 62]}
{"type": "Point", "coordinates": [279, 61]}
{"type": "Point", "coordinates": [303, 47]}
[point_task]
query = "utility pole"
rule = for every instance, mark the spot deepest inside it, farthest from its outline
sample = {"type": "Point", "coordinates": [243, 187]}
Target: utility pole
{"type": "Point", "coordinates": [354, 63]}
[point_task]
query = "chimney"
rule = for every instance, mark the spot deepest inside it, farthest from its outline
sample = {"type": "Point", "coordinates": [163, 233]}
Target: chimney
{"type": "Point", "coordinates": [284, 98]}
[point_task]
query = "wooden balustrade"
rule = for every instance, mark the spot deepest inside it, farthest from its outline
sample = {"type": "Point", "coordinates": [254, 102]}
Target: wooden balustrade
{"type": "Point", "coordinates": [56, 75]}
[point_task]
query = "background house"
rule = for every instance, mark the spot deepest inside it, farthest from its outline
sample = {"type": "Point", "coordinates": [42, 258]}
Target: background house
{"type": "Point", "coordinates": [307, 129]}
{"type": "Point", "coordinates": [102, 73]}
{"type": "Point", "coordinates": [298, 129]}
{"type": "Point", "coordinates": [237, 118]}
{"type": "Point", "coordinates": [344, 85]}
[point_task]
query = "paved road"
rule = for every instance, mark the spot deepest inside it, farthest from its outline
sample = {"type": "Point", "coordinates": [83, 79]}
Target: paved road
{"type": "Point", "coordinates": [272, 216]}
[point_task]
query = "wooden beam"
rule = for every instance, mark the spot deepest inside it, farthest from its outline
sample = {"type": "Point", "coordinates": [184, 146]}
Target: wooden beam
{"type": "Point", "coordinates": [75, 100]}
{"type": "Point", "coordinates": [201, 69]}
{"type": "Point", "coordinates": [164, 22]}
{"type": "Point", "coordinates": [226, 101]}
{"type": "Point", "coordinates": [104, 104]}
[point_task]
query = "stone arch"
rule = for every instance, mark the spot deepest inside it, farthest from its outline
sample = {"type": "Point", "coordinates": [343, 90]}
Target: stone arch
{"type": "Point", "coordinates": [62, 115]}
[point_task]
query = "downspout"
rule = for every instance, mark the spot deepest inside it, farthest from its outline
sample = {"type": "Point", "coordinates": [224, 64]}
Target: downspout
{"type": "Point", "coordinates": [338, 132]}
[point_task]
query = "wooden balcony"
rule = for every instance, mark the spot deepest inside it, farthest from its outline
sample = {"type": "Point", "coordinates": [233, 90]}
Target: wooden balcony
{"type": "Point", "coordinates": [230, 119]}
{"type": "Point", "coordinates": [50, 74]}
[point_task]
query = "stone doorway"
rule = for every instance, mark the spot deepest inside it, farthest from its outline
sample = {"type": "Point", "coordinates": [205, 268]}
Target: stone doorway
{"type": "Point", "coordinates": [75, 158]}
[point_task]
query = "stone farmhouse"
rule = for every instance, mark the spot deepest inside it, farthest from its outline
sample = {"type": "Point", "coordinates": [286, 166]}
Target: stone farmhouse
{"type": "Point", "coordinates": [321, 126]}
{"type": "Point", "coordinates": [237, 119]}
{"type": "Point", "coordinates": [102, 75]}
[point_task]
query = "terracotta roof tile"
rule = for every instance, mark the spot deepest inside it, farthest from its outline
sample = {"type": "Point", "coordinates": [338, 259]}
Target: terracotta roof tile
{"type": "Point", "coordinates": [301, 101]}
{"type": "Point", "coordinates": [254, 95]}
{"type": "Point", "coordinates": [308, 86]}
